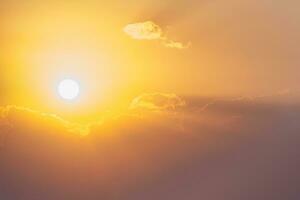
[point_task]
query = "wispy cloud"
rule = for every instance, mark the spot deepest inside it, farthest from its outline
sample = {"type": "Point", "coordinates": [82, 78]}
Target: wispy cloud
{"type": "Point", "coordinates": [177, 45]}
{"type": "Point", "coordinates": [12, 115]}
{"type": "Point", "coordinates": [157, 102]}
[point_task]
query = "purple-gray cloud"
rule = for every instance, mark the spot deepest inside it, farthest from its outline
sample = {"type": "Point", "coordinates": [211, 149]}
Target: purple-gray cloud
{"type": "Point", "coordinates": [231, 150]}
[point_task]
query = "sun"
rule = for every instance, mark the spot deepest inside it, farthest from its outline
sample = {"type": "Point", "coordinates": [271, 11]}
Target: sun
{"type": "Point", "coordinates": [68, 89]}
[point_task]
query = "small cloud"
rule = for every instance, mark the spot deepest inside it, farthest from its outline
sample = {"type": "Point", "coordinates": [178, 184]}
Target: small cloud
{"type": "Point", "coordinates": [144, 31]}
{"type": "Point", "coordinates": [157, 102]}
{"type": "Point", "coordinates": [176, 45]}
{"type": "Point", "coordinates": [150, 31]}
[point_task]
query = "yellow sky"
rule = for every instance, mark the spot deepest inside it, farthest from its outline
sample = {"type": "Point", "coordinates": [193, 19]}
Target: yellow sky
{"type": "Point", "coordinates": [233, 52]}
{"type": "Point", "coordinates": [178, 99]}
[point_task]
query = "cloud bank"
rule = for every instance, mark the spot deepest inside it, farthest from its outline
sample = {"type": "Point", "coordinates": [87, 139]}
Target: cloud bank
{"type": "Point", "coordinates": [231, 150]}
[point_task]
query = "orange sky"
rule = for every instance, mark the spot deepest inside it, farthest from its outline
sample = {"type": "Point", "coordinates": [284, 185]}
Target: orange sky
{"type": "Point", "coordinates": [237, 48]}
{"type": "Point", "coordinates": [179, 100]}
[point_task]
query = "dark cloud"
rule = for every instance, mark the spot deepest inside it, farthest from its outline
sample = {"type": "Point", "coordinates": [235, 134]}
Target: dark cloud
{"type": "Point", "coordinates": [233, 149]}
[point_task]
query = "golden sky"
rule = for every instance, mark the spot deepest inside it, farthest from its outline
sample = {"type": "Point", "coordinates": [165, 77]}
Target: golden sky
{"type": "Point", "coordinates": [119, 51]}
{"type": "Point", "coordinates": [222, 48]}
{"type": "Point", "coordinates": [176, 98]}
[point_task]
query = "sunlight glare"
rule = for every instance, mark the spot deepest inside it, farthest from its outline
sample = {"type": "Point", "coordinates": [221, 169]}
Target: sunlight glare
{"type": "Point", "coordinates": [68, 89]}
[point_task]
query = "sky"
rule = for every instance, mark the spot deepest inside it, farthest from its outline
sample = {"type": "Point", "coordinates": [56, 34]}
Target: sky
{"type": "Point", "coordinates": [235, 48]}
{"type": "Point", "coordinates": [178, 99]}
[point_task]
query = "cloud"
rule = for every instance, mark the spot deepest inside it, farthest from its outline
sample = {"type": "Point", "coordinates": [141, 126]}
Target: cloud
{"type": "Point", "coordinates": [151, 31]}
{"type": "Point", "coordinates": [177, 45]}
{"type": "Point", "coordinates": [21, 116]}
{"type": "Point", "coordinates": [12, 117]}
{"type": "Point", "coordinates": [157, 102]}
{"type": "Point", "coordinates": [144, 31]}
{"type": "Point", "coordinates": [281, 97]}
{"type": "Point", "coordinates": [132, 157]}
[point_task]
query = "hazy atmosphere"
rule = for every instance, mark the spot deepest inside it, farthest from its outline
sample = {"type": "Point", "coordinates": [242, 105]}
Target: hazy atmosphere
{"type": "Point", "coordinates": [149, 99]}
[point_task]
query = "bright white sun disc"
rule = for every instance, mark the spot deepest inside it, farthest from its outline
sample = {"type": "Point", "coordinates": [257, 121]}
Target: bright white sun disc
{"type": "Point", "coordinates": [68, 89]}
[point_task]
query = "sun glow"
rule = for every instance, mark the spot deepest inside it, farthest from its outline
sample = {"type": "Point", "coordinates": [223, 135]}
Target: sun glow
{"type": "Point", "coordinates": [79, 47]}
{"type": "Point", "coordinates": [68, 89]}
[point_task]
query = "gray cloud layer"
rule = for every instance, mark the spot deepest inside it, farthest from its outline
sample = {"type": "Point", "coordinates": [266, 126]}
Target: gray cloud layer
{"type": "Point", "coordinates": [231, 150]}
